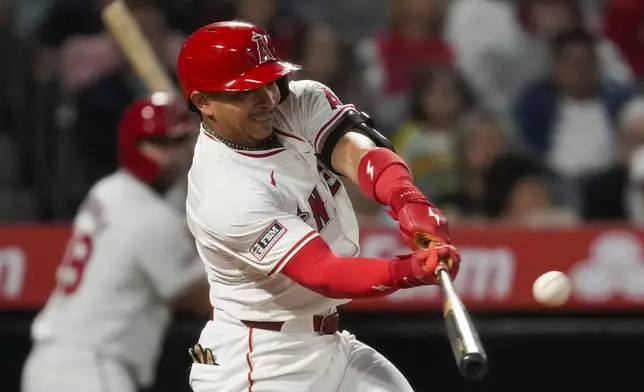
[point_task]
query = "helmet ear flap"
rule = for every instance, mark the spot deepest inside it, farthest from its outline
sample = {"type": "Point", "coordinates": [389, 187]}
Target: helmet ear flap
{"type": "Point", "coordinates": [282, 85]}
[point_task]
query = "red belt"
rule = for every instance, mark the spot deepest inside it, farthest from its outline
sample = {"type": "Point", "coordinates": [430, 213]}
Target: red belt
{"type": "Point", "coordinates": [323, 324]}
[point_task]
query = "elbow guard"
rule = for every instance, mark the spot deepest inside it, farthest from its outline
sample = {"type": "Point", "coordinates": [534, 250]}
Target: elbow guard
{"type": "Point", "coordinates": [357, 122]}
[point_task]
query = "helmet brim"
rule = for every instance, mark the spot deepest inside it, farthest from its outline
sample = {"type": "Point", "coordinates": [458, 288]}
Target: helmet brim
{"type": "Point", "coordinates": [260, 76]}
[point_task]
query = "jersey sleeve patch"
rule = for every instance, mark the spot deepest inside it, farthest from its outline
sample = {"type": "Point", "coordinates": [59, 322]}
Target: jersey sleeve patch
{"type": "Point", "coordinates": [267, 240]}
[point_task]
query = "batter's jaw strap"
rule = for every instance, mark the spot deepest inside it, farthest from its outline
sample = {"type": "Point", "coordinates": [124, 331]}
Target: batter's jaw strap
{"type": "Point", "coordinates": [282, 86]}
{"type": "Point", "coordinates": [352, 120]}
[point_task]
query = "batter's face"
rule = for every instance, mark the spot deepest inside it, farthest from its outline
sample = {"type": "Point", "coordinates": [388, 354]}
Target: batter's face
{"type": "Point", "coordinates": [244, 117]}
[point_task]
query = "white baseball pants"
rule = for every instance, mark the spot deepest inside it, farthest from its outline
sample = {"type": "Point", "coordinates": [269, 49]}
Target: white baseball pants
{"type": "Point", "coordinates": [257, 360]}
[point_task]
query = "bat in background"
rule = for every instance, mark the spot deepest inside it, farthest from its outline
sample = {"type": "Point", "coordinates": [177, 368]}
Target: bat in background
{"type": "Point", "coordinates": [470, 355]}
{"type": "Point", "coordinates": [121, 23]}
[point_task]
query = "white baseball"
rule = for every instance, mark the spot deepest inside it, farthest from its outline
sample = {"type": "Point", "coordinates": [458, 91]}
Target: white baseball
{"type": "Point", "coordinates": [552, 288]}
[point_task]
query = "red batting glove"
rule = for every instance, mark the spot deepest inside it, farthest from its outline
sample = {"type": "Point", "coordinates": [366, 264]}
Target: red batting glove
{"type": "Point", "coordinates": [384, 177]}
{"type": "Point", "coordinates": [419, 268]}
{"type": "Point", "coordinates": [421, 223]}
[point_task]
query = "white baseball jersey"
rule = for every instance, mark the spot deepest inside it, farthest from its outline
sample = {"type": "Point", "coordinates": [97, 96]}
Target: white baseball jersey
{"type": "Point", "coordinates": [131, 253]}
{"type": "Point", "coordinates": [251, 211]}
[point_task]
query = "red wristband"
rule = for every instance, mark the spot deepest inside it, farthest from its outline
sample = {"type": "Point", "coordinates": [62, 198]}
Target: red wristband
{"type": "Point", "coordinates": [401, 195]}
{"type": "Point", "coordinates": [371, 168]}
{"type": "Point", "coordinates": [384, 177]}
{"type": "Point", "coordinates": [401, 272]}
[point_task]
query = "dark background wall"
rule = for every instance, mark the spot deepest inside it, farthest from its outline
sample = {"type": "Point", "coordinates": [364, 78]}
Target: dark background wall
{"type": "Point", "coordinates": [572, 352]}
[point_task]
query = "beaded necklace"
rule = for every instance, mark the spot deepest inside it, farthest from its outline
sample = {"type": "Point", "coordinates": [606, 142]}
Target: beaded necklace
{"type": "Point", "coordinates": [266, 144]}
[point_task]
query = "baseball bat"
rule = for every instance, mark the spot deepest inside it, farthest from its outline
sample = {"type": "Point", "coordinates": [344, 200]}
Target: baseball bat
{"type": "Point", "coordinates": [123, 27]}
{"type": "Point", "coordinates": [470, 355]}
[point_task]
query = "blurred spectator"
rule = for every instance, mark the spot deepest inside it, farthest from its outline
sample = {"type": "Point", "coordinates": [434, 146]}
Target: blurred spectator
{"type": "Point", "coordinates": [82, 59]}
{"type": "Point", "coordinates": [503, 45]}
{"type": "Point", "coordinates": [624, 25]}
{"type": "Point", "coordinates": [353, 20]}
{"type": "Point", "coordinates": [85, 58]}
{"type": "Point", "coordinates": [412, 43]}
{"type": "Point", "coordinates": [64, 18]}
{"type": "Point", "coordinates": [75, 20]}
{"type": "Point", "coordinates": [428, 141]}
{"type": "Point", "coordinates": [487, 39]}
{"type": "Point", "coordinates": [483, 138]}
{"type": "Point", "coordinates": [517, 192]}
{"type": "Point", "coordinates": [605, 194]}
{"type": "Point", "coordinates": [569, 117]}
{"type": "Point", "coordinates": [325, 59]}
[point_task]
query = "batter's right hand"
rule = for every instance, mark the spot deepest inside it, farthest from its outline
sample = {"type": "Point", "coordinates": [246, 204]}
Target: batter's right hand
{"type": "Point", "coordinates": [424, 263]}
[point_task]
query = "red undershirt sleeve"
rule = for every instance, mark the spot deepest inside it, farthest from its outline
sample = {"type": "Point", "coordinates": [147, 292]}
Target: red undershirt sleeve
{"type": "Point", "coordinates": [317, 268]}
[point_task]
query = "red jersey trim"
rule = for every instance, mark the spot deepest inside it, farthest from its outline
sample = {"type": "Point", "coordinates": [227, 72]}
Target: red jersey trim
{"type": "Point", "coordinates": [291, 252]}
{"type": "Point", "coordinates": [256, 154]}
{"type": "Point", "coordinates": [261, 154]}
{"type": "Point", "coordinates": [250, 365]}
{"type": "Point", "coordinates": [328, 125]}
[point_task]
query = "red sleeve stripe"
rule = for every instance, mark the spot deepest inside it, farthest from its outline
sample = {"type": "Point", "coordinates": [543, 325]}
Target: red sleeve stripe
{"type": "Point", "coordinates": [294, 249]}
{"type": "Point", "coordinates": [328, 125]}
{"type": "Point", "coordinates": [282, 133]}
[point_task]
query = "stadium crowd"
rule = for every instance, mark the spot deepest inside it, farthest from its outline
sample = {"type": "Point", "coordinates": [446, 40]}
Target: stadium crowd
{"type": "Point", "coordinates": [523, 112]}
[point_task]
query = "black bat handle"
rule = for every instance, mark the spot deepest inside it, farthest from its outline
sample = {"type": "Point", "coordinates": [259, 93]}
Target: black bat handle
{"type": "Point", "coordinates": [469, 353]}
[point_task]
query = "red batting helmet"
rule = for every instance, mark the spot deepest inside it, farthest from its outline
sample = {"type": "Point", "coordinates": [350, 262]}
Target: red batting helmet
{"type": "Point", "coordinates": [160, 119]}
{"type": "Point", "coordinates": [229, 56]}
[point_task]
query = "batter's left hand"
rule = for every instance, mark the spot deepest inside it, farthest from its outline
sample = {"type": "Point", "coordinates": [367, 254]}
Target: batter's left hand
{"type": "Point", "coordinates": [425, 262]}
{"type": "Point", "coordinates": [421, 224]}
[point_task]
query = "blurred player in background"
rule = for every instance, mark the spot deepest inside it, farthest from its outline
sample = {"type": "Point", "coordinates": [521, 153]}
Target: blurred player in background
{"type": "Point", "coordinates": [275, 226]}
{"type": "Point", "coordinates": [131, 258]}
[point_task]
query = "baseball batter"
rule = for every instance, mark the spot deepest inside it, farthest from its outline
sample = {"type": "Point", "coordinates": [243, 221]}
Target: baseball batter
{"type": "Point", "coordinates": [130, 258]}
{"type": "Point", "coordinates": [276, 229]}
